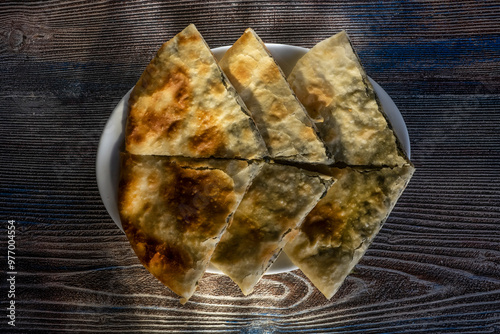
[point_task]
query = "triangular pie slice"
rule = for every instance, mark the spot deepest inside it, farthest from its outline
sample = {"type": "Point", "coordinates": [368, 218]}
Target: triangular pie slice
{"type": "Point", "coordinates": [281, 119]}
{"type": "Point", "coordinates": [337, 232]}
{"type": "Point", "coordinates": [184, 105]}
{"type": "Point", "coordinates": [276, 203]}
{"type": "Point", "coordinates": [332, 85]}
{"type": "Point", "coordinates": [173, 212]}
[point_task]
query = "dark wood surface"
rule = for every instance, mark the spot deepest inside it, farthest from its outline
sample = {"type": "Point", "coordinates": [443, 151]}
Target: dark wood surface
{"type": "Point", "coordinates": [435, 266]}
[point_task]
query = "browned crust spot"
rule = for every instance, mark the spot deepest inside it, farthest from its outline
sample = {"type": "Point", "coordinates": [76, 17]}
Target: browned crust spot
{"type": "Point", "coordinates": [187, 39]}
{"type": "Point", "coordinates": [323, 222]}
{"type": "Point", "coordinates": [164, 121]}
{"type": "Point", "coordinates": [208, 139]}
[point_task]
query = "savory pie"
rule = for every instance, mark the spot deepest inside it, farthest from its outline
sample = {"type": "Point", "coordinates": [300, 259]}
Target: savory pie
{"type": "Point", "coordinates": [284, 124]}
{"type": "Point", "coordinates": [277, 201]}
{"type": "Point", "coordinates": [337, 232]}
{"type": "Point", "coordinates": [173, 212]}
{"type": "Point", "coordinates": [332, 85]}
{"type": "Point", "coordinates": [183, 105]}
{"type": "Point", "coordinates": [198, 183]}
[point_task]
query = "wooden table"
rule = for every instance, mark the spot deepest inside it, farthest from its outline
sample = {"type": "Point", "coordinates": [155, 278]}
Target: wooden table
{"type": "Point", "coordinates": [435, 266]}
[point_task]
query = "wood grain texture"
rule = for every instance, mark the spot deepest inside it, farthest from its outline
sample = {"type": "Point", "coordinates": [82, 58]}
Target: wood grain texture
{"type": "Point", "coordinates": [434, 267]}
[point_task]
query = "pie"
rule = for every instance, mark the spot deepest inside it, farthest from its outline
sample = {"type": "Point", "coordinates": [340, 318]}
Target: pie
{"type": "Point", "coordinates": [281, 119]}
{"type": "Point", "coordinates": [337, 232]}
{"type": "Point", "coordinates": [333, 87]}
{"type": "Point", "coordinates": [173, 212]}
{"type": "Point", "coordinates": [171, 115]}
{"type": "Point", "coordinates": [277, 201]}
{"type": "Point", "coordinates": [206, 179]}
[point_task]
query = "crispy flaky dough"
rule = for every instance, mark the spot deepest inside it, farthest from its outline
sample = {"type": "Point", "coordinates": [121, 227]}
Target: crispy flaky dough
{"type": "Point", "coordinates": [338, 231]}
{"type": "Point", "coordinates": [281, 119]}
{"type": "Point", "coordinates": [183, 105]}
{"type": "Point", "coordinates": [173, 212]}
{"type": "Point", "coordinates": [181, 208]}
{"type": "Point", "coordinates": [274, 206]}
{"type": "Point", "coordinates": [332, 85]}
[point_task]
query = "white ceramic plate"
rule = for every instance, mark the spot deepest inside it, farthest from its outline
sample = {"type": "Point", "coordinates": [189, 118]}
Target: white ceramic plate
{"type": "Point", "coordinates": [112, 139]}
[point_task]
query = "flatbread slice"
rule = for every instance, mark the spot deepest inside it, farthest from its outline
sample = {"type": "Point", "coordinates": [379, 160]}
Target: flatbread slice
{"type": "Point", "coordinates": [277, 201]}
{"type": "Point", "coordinates": [332, 85]}
{"type": "Point", "coordinates": [283, 122]}
{"type": "Point", "coordinates": [183, 105]}
{"type": "Point", "coordinates": [337, 232]}
{"type": "Point", "coordinates": [173, 212]}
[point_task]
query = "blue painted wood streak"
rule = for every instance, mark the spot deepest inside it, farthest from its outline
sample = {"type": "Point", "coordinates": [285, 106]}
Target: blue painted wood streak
{"type": "Point", "coordinates": [431, 56]}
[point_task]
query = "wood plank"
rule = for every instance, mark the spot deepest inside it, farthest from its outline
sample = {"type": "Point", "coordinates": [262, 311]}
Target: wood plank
{"type": "Point", "coordinates": [434, 267]}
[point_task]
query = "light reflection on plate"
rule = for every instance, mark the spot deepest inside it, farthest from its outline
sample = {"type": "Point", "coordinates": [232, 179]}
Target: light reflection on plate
{"type": "Point", "coordinates": [112, 139]}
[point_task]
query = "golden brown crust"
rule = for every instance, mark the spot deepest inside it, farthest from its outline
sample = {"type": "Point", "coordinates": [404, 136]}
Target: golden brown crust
{"type": "Point", "coordinates": [337, 232]}
{"type": "Point", "coordinates": [174, 210]}
{"type": "Point", "coordinates": [275, 204]}
{"type": "Point", "coordinates": [183, 105]}
{"type": "Point", "coordinates": [332, 85]}
{"type": "Point", "coordinates": [281, 119]}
